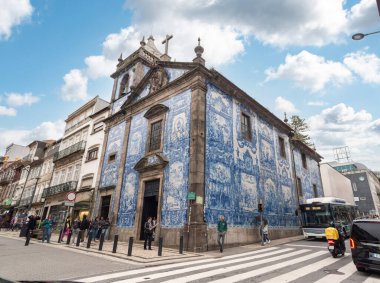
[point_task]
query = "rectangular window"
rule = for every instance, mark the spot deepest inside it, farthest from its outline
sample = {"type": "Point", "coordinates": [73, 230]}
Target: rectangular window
{"type": "Point", "coordinates": [299, 187]}
{"type": "Point", "coordinates": [92, 154]}
{"type": "Point", "coordinates": [304, 162]}
{"type": "Point", "coordinates": [246, 127]}
{"type": "Point", "coordinates": [281, 143]}
{"type": "Point", "coordinates": [86, 183]}
{"type": "Point", "coordinates": [62, 178]}
{"type": "Point", "coordinates": [98, 127]}
{"type": "Point", "coordinates": [155, 136]}
{"type": "Point", "coordinates": [112, 158]}
{"type": "Point", "coordinates": [76, 172]}
{"type": "Point", "coordinates": [69, 173]}
{"type": "Point", "coordinates": [315, 190]}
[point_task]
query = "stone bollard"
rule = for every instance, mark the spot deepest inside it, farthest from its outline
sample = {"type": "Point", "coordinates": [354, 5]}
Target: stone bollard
{"type": "Point", "coordinates": [101, 241]}
{"type": "Point", "coordinates": [89, 241]}
{"type": "Point", "coordinates": [79, 236]}
{"type": "Point", "coordinates": [60, 236]}
{"type": "Point", "coordinates": [69, 237]}
{"type": "Point", "coordinates": [130, 244]}
{"type": "Point", "coordinates": [116, 239]}
{"type": "Point", "coordinates": [160, 240]}
{"type": "Point", "coordinates": [181, 244]}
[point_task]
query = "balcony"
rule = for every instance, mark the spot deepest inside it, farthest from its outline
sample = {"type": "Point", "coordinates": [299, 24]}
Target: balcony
{"type": "Point", "coordinates": [78, 147]}
{"type": "Point", "coordinates": [77, 125]}
{"type": "Point", "coordinates": [61, 188]}
{"type": "Point", "coordinates": [6, 179]}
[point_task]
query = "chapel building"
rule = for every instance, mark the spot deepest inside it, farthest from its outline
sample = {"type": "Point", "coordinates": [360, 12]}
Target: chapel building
{"type": "Point", "coordinates": [185, 145]}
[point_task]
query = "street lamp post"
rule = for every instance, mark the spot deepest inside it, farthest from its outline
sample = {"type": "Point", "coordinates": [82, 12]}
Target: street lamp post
{"type": "Point", "coordinates": [359, 36]}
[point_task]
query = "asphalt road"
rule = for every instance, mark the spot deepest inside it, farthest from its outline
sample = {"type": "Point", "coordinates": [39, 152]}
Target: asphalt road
{"type": "Point", "coordinates": [42, 262]}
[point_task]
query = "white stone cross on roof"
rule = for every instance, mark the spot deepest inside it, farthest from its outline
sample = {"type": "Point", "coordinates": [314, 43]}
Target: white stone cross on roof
{"type": "Point", "coordinates": [166, 42]}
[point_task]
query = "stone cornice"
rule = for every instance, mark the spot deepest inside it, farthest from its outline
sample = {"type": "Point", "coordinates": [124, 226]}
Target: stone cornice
{"type": "Point", "coordinates": [114, 119]}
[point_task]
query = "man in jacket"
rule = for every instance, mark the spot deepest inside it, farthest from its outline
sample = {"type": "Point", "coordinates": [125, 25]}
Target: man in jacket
{"type": "Point", "coordinates": [222, 230]}
{"type": "Point", "coordinates": [83, 227]}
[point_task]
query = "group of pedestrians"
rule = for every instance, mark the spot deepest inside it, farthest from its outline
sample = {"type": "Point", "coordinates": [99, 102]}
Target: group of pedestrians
{"type": "Point", "coordinates": [222, 230]}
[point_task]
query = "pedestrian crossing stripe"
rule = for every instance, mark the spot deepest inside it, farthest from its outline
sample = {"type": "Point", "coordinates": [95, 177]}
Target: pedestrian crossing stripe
{"type": "Point", "coordinates": [258, 263]}
{"type": "Point", "coordinates": [295, 274]}
{"type": "Point", "coordinates": [200, 275]}
{"type": "Point", "coordinates": [169, 266]}
{"type": "Point", "coordinates": [345, 272]}
{"type": "Point", "coordinates": [256, 272]}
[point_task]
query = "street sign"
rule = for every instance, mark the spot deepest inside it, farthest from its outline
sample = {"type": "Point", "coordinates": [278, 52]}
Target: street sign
{"type": "Point", "coordinates": [68, 203]}
{"type": "Point", "coordinates": [191, 196]}
{"type": "Point", "coordinates": [71, 196]}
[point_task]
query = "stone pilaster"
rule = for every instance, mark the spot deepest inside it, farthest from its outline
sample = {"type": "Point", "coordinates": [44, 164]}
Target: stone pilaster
{"type": "Point", "coordinates": [197, 235]}
{"type": "Point", "coordinates": [119, 182]}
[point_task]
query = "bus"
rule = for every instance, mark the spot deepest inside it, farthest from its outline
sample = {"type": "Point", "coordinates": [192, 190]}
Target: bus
{"type": "Point", "coordinates": [318, 213]}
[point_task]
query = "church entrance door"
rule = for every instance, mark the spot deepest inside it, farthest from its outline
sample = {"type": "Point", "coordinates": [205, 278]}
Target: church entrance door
{"type": "Point", "coordinates": [150, 203]}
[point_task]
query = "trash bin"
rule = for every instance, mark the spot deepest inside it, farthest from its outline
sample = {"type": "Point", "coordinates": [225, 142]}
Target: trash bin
{"type": "Point", "coordinates": [23, 230]}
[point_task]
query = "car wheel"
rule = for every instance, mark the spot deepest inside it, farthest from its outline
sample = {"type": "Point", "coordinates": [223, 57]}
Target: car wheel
{"type": "Point", "coordinates": [361, 269]}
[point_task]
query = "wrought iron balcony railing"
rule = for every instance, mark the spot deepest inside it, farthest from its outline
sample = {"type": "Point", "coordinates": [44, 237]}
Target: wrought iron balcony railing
{"type": "Point", "coordinates": [64, 187]}
{"type": "Point", "coordinates": [80, 146]}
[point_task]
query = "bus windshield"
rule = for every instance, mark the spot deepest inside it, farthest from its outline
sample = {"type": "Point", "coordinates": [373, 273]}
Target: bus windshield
{"type": "Point", "coordinates": [316, 216]}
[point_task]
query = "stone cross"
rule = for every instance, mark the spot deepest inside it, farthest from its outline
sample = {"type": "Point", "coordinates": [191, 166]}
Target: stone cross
{"type": "Point", "coordinates": [166, 42]}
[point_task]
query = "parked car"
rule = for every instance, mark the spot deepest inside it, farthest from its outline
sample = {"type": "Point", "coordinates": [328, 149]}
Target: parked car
{"type": "Point", "coordinates": [365, 244]}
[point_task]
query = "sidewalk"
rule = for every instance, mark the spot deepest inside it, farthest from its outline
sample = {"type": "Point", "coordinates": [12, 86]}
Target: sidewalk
{"type": "Point", "coordinates": [139, 255]}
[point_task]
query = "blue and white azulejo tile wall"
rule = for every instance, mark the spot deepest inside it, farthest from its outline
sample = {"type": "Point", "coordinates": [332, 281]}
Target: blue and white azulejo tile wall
{"type": "Point", "coordinates": [110, 170]}
{"type": "Point", "coordinates": [240, 172]}
{"type": "Point", "coordinates": [175, 149]}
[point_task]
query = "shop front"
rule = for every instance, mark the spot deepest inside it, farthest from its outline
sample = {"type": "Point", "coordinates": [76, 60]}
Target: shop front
{"type": "Point", "coordinates": [82, 205]}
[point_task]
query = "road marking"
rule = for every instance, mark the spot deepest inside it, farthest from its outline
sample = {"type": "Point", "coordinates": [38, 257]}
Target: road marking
{"type": "Point", "coordinates": [318, 247]}
{"type": "Point", "coordinates": [295, 274]}
{"type": "Point", "coordinates": [256, 272]}
{"type": "Point", "coordinates": [347, 271]}
{"type": "Point", "coordinates": [216, 264]}
{"type": "Point", "coordinates": [167, 266]}
{"type": "Point", "coordinates": [372, 279]}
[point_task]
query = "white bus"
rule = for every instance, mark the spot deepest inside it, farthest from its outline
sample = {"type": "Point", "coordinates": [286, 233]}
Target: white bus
{"type": "Point", "coordinates": [318, 213]}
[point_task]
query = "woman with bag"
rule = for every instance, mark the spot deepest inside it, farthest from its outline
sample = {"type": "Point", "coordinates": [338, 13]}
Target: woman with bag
{"type": "Point", "coordinates": [148, 232]}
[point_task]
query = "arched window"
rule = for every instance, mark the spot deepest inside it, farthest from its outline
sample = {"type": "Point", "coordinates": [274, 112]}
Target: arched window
{"type": "Point", "coordinates": [124, 85]}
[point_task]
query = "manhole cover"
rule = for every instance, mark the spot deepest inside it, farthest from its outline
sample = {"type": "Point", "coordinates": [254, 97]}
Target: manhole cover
{"type": "Point", "coordinates": [333, 271]}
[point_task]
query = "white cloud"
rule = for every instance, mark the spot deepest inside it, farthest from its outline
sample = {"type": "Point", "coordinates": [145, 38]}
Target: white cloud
{"type": "Point", "coordinates": [46, 130]}
{"type": "Point", "coordinates": [13, 13]}
{"type": "Point", "coordinates": [310, 71]}
{"type": "Point", "coordinates": [341, 125]}
{"type": "Point", "coordinates": [99, 66]}
{"type": "Point", "coordinates": [316, 103]}
{"type": "Point", "coordinates": [5, 111]}
{"type": "Point", "coordinates": [363, 16]}
{"type": "Point", "coordinates": [366, 66]}
{"type": "Point", "coordinates": [16, 99]}
{"type": "Point", "coordinates": [75, 86]}
{"type": "Point", "coordinates": [284, 105]}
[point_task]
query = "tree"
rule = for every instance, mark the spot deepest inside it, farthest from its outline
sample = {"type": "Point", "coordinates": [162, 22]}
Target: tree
{"type": "Point", "coordinates": [300, 127]}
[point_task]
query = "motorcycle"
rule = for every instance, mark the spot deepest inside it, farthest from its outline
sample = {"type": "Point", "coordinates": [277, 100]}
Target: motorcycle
{"type": "Point", "coordinates": [335, 246]}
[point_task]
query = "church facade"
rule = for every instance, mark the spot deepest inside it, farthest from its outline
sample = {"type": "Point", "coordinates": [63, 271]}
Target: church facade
{"type": "Point", "coordinates": [185, 145]}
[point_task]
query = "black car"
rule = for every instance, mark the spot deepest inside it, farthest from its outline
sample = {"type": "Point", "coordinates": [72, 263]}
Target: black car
{"type": "Point", "coordinates": [365, 244]}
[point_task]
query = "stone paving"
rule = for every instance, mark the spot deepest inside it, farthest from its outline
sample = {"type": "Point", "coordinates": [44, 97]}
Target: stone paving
{"type": "Point", "coordinates": [139, 255]}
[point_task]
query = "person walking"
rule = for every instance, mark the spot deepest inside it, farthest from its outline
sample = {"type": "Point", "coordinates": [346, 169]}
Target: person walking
{"type": "Point", "coordinates": [31, 225]}
{"type": "Point", "coordinates": [106, 224]}
{"type": "Point", "coordinates": [148, 232]}
{"type": "Point", "coordinates": [46, 229]}
{"type": "Point", "coordinates": [83, 227]}
{"type": "Point", "coordinates": [222, 230]}
{"type": "Point", "coordinates": [265, 232]}
{"type": "Point", "coordinates": [99, 231]}
{"type": "Point", "coordinates": [76, 228]}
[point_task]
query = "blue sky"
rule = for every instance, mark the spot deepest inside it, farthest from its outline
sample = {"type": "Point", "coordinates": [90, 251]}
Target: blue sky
{"type": "Point", "coordinates": [294, 56]}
